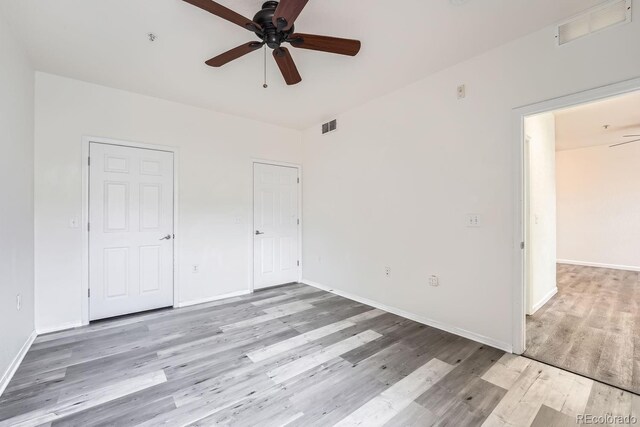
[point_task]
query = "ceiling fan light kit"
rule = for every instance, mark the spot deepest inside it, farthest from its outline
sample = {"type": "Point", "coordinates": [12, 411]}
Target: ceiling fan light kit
{"type": "Point", "coordinates": [274, 25]}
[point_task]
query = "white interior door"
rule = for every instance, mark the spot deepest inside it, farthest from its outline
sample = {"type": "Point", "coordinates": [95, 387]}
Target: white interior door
{"type": "Point", "coordinates": [131, 230]}
{"type": "Point", "coordinates": [276, 225]}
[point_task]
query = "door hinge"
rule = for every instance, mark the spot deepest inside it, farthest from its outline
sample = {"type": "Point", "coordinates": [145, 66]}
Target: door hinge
{"type": "Point", "coordinates": [298, 180]}
{"type": "Point", "coordinates": [298, 221]}
{"type": "Point", "coordinates": [298, 263]}
{"type": "Point", "coordinates": [521, 245]}
{"type": "Point", "coordinates": [89, 161]}
{"type": "Point", "coordinates": [88, 226]}
{"type": "Point", "coordinates": [89, 293]}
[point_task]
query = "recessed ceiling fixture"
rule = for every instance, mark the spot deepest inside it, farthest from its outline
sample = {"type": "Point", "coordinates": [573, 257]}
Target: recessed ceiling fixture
{"type": "Point", "coordinates": [273, 25]}
{"type": "Point", "coordinates": [152, 37]}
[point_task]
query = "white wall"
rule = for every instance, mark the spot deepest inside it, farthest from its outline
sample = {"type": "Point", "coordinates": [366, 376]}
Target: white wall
{"type": "Point", "coordinates": [541, 134]}
{"type": "Point", "coordinates": [16, 199]}
{"type": "Point", "coordinates": [214, 183]}
{"type": "Point", "coordinates": [393, 185]}
{"type": "Point", "coordinates": [599, 206]}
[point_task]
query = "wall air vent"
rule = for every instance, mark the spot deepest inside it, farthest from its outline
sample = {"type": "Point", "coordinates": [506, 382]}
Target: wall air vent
{"type": "Point", "coordinates": [330, 126]}
{"type": "Point", "coordinates": [596, 19]}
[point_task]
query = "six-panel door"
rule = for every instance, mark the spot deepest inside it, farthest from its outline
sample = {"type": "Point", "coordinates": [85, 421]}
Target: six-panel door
{"type": "Point", "coordinates": [131, 230]}
{"type": "Point", "coordinates": [276, 226]}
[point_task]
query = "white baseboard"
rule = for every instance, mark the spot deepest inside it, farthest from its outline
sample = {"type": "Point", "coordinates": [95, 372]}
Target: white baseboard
{"type": "Point", "coordinates": [211, 299]}
{"type": "Point", "coordinates": [599, 265]}
{"type": "Point", "coordinates": [416, 318]}
{"type": "Point", "coordinates": [58, 328]}
{"type": "Point", "coordinates": [15, 363]}
{"type": "Point", "coordinates": [537, 306]}
{"type": "Point", "coordinates": [66, 326]}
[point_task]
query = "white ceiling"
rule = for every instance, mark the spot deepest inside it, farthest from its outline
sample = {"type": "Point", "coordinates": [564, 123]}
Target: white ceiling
{"type": "Point", "coordinates": [583, 126]}
{"type": "Point", "coordinates": [105, 42]}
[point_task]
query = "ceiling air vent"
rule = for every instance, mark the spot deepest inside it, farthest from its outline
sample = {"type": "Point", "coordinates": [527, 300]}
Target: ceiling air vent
{"type": "Point", "coordinates": [597, 19]}
{"type": "Point", "coordinates": [330, 126]}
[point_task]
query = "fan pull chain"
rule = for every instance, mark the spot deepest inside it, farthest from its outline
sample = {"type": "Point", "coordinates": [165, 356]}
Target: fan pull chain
{"type": "Point", "coordinates": [265, 85]}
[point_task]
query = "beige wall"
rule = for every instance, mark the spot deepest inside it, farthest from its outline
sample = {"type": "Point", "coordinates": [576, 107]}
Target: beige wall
{"type": "Point", "coordinates": [599, 206]}
{"type": "Point", "coordinates": [540, 131]}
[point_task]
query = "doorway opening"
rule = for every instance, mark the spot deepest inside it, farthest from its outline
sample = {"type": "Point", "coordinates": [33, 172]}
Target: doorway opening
{"type": "Point", "coordinates": [581, 225]}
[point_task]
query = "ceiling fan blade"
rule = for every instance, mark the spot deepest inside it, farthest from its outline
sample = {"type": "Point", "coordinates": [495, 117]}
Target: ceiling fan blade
{"type": "Point", "coordinates": [233, 54]}
{"type": "Point", "coordinates": [325, 44]}
{"type": "Point", "coordinates": [287, 66]}
{"type": "Point", "coordinates": [624, 143]}
{"type": "Point", "coordinates": [287, 13]}
{"type": "Point", "coordinates": [225, 13]}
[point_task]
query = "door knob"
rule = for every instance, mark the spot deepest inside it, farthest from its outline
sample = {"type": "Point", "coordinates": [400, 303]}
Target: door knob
{"type": "Point", "coordinates": [167, 237]}
{"type": "Point", "coordinates": [259, 233]}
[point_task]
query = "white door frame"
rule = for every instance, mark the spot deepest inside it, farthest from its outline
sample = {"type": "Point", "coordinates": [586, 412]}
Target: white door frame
{"type": "Point", "coordinates": [521, 217]}
{"type": "Point", "coordinates": [84, 285]}
{"type": "Point", "coordinates": [251, 216]}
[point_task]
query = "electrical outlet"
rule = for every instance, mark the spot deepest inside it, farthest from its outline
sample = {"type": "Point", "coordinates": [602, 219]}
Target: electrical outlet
{"type": "Point", "coordinates": [195, 269]}
{"type": "Point", "coordinates": [474, 220]}
{"type": "Point", "coordinates": [18, 302]}
{"type": "Point", "coordinates": [387, 271]}
{"type": "Point", "coordinates": [434, 280]}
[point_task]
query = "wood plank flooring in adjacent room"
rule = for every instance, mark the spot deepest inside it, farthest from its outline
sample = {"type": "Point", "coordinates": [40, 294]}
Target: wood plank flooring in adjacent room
{"type": "Point", "coordinates": [289, 356]}
{"type": "Point", "coordinates": [591, 325]}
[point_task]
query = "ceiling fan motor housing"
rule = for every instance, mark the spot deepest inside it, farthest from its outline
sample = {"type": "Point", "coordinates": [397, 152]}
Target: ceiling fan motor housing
{"type": "Point", "coordinates": [270, 34]}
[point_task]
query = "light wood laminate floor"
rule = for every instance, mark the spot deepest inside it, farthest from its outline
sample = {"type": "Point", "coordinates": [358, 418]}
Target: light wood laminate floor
{"type": "Point", "coordinates": [289, 356]}
{"type": "Point", "coordinates": [591, 325]}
